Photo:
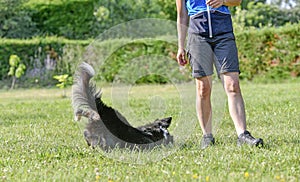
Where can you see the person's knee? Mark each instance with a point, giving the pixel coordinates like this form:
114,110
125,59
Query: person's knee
203,87
233,87
231,84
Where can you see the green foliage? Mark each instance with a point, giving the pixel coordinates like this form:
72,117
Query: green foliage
64,80
270,53
15,21
167,9
35,51
14,60
70,19
288,4
20,70
101,14
143,61
16,70
82,19
88,18
258,15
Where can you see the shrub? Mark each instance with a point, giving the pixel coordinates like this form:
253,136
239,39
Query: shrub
16,70
64,81
272,53
41,56
15,21
70,19
82,19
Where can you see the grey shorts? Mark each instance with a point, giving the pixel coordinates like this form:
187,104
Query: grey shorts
203,52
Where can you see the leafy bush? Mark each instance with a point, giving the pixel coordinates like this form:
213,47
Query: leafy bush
15,21
64,81
16,70
143,61
83,19
70,19
258,15
272,53
41,56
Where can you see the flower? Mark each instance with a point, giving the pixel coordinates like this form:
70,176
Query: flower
246,174
207,178
195,176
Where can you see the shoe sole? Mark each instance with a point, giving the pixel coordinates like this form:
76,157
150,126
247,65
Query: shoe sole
258,143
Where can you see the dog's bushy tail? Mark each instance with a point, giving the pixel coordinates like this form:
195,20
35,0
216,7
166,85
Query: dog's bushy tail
83,91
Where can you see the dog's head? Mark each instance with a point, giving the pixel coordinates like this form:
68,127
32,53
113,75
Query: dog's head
158,130
91,140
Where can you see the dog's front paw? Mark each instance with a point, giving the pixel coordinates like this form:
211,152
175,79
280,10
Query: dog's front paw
90,114
78,114
94,116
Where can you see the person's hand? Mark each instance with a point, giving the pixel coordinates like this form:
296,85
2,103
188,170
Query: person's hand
181,58
215,3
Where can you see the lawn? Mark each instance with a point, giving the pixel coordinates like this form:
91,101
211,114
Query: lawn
41,142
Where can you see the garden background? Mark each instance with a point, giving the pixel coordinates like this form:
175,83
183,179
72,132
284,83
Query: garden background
50,36
42,41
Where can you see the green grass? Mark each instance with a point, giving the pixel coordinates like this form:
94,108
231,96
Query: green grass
41,142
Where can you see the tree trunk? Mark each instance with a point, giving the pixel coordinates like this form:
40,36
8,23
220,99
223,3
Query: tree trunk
13,83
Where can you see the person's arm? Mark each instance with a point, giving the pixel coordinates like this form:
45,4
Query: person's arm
182,26
218,3
232,2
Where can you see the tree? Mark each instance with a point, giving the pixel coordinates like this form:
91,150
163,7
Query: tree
16,70
287,4
15,22
64,81
245,3
261,14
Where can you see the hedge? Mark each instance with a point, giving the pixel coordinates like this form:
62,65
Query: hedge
33,54
82,19
271,53
68,18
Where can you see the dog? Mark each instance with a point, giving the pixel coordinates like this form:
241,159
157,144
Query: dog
106,127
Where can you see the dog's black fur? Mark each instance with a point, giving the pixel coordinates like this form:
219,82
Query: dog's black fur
107,128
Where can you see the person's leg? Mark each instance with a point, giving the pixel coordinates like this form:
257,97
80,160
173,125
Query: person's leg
237,109
203,103
203,108
231,85
201,58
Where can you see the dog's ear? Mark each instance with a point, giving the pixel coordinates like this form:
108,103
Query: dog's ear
87,137
165,122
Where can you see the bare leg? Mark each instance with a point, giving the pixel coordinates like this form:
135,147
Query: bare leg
235,100
203,103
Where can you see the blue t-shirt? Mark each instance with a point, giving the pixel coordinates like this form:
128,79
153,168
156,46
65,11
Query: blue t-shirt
219,22
198,6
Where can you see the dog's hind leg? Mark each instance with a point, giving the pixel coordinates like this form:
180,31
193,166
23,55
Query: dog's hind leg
90,114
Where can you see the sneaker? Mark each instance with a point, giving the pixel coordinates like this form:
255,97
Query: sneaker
207,140
247,138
